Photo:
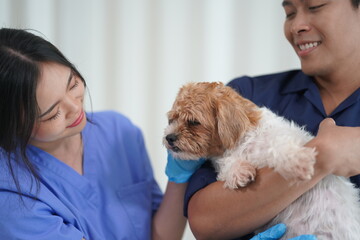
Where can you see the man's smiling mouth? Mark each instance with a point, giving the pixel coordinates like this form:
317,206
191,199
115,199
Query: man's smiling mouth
307,46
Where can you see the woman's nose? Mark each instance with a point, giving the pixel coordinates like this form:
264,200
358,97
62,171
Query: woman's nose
73,104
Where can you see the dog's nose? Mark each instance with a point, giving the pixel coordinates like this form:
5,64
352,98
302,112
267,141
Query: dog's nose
171,138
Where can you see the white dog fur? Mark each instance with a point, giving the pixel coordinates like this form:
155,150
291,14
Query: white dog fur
330,210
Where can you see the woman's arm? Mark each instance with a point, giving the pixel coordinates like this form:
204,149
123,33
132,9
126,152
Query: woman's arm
218,213
169,221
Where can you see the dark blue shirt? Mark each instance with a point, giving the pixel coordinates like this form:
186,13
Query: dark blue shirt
292,95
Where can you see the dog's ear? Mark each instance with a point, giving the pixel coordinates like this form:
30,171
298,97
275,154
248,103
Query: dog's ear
235,115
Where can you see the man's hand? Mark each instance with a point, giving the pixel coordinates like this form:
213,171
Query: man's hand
277,231
338,149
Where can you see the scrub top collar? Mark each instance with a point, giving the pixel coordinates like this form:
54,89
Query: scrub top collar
52,168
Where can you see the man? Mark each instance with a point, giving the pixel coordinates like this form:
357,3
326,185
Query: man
325,35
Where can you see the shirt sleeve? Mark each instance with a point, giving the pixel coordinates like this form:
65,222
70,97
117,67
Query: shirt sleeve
27,218
243,85
156,193
133,150
204,176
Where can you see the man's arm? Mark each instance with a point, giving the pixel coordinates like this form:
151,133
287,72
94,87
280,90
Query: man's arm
218,213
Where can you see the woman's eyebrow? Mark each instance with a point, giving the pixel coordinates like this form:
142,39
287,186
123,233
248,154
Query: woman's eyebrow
70,77
57,102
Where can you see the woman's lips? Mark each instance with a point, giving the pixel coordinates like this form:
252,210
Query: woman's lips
78,120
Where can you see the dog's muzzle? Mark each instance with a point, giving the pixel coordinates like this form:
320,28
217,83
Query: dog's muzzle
171,139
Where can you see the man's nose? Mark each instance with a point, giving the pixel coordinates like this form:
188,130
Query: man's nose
300,24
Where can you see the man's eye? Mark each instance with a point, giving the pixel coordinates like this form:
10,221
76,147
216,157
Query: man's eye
316,7
288,15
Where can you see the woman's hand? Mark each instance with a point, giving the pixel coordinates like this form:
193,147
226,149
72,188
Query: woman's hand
180,171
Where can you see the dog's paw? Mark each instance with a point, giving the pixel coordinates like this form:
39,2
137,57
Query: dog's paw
240,175
301,165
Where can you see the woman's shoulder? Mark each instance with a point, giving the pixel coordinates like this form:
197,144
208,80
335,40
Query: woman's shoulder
107,115
10,168
110,118
110,124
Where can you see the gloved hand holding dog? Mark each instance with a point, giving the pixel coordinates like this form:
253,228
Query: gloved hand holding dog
277,231
180,171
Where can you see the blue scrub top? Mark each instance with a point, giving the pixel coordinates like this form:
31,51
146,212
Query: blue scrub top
293,95
115,198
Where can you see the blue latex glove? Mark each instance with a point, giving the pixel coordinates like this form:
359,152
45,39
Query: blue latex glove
180,171
277,231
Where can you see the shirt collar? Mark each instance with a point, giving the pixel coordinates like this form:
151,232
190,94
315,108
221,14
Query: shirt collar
299,83
304,83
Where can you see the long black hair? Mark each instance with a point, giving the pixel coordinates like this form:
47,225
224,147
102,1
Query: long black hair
21,54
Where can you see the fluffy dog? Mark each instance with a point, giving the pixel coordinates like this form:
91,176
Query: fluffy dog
210,120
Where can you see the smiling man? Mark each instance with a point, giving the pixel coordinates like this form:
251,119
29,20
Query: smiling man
325,35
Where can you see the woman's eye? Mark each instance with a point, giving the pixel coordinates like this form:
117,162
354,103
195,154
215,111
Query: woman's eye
74,85
55,116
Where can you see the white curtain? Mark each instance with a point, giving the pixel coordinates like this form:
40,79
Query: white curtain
135,54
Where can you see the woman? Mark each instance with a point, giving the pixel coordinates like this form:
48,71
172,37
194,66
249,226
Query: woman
67,174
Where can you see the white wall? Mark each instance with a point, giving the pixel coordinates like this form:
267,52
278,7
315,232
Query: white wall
135,54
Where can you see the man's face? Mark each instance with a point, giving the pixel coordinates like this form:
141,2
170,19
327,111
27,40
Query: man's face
323,33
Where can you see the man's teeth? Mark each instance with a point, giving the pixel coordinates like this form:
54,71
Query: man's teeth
308,45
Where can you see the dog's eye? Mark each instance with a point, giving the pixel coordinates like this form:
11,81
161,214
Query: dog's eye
170,121
193,123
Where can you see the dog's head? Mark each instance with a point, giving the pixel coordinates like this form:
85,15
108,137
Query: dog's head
206,119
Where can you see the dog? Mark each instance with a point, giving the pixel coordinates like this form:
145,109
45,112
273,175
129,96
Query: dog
213,121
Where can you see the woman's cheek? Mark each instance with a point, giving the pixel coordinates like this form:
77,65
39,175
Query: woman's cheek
40,133
46,132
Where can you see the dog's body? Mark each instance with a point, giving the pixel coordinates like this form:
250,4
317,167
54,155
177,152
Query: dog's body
213,121
330,210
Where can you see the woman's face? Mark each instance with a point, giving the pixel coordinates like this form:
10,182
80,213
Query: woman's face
325,34
60,95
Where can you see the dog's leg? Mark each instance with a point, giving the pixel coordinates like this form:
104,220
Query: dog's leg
297,164
238,174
